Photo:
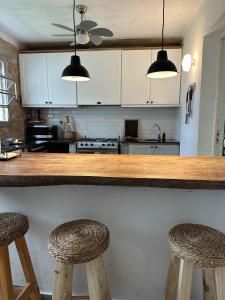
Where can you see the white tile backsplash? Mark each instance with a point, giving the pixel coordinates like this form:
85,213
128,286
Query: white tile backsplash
108,121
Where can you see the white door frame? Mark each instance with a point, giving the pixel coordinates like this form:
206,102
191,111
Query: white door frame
220,102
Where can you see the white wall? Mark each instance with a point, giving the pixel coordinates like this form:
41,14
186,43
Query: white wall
138,219
194,134
109,121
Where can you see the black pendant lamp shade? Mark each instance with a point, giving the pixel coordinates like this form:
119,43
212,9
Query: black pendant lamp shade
162,67
75,71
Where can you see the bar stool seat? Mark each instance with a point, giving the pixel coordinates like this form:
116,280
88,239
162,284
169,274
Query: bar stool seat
12,227
198,244
76,242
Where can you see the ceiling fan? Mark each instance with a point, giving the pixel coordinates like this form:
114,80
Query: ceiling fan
85,31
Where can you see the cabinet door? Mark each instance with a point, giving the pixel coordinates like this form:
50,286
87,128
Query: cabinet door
167,150
62,93
167,91
34,79
140,149
135,84
104,88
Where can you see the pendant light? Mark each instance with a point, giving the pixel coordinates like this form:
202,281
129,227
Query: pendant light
75,71
162,67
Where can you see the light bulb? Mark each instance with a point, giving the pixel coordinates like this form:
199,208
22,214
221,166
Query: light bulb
187,62
82,38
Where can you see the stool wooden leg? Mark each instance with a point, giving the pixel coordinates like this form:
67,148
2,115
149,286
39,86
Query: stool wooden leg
97,280
27,266
63,276
172,278
5,274
208,278
185,280
220,283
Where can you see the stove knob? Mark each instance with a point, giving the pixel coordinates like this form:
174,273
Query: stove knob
108,144
82,144
113,144
103,144
86,144
92,144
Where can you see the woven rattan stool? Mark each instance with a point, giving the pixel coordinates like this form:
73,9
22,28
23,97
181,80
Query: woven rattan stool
202,247
13,227
76,242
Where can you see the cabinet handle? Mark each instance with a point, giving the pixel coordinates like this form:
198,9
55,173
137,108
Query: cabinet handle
99,102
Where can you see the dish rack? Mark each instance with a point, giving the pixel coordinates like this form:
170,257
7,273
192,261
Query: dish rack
6,155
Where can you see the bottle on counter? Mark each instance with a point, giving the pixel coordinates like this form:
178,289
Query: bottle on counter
163,137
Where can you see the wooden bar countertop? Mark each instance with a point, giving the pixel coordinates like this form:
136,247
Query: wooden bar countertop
119,170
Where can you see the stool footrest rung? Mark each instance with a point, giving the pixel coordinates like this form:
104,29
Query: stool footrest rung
25,292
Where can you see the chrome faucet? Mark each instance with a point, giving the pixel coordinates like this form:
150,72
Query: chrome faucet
160,133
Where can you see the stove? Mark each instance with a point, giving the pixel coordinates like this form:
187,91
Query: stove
99,145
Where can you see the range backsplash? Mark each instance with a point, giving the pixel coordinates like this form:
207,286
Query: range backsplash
108,121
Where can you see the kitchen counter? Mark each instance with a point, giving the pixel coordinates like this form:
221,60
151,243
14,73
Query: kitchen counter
168,142
43,169
106,188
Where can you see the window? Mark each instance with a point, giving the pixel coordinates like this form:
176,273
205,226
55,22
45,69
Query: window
4,111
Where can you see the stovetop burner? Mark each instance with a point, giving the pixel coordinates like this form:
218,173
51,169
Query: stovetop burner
98,143
98,140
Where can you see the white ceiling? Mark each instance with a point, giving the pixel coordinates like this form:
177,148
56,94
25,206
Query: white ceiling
28,21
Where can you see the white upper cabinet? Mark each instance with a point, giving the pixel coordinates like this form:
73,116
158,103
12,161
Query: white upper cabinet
42,86
34,79
41,80
61,92
138,90
167,91
104,68
135,84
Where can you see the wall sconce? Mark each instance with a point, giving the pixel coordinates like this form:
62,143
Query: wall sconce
188,62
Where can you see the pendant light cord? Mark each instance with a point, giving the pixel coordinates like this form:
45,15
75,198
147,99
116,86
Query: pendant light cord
163,24
74,27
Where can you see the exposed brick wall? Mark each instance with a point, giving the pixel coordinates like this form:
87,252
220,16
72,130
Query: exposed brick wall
15,127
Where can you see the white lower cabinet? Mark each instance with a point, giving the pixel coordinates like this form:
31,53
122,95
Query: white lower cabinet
148,149
141,149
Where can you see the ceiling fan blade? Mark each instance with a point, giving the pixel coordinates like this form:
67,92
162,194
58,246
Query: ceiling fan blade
87,25
63,34
96,40
102,32
62,26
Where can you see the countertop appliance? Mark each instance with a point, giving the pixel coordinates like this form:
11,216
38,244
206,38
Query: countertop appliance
38,136
98,146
